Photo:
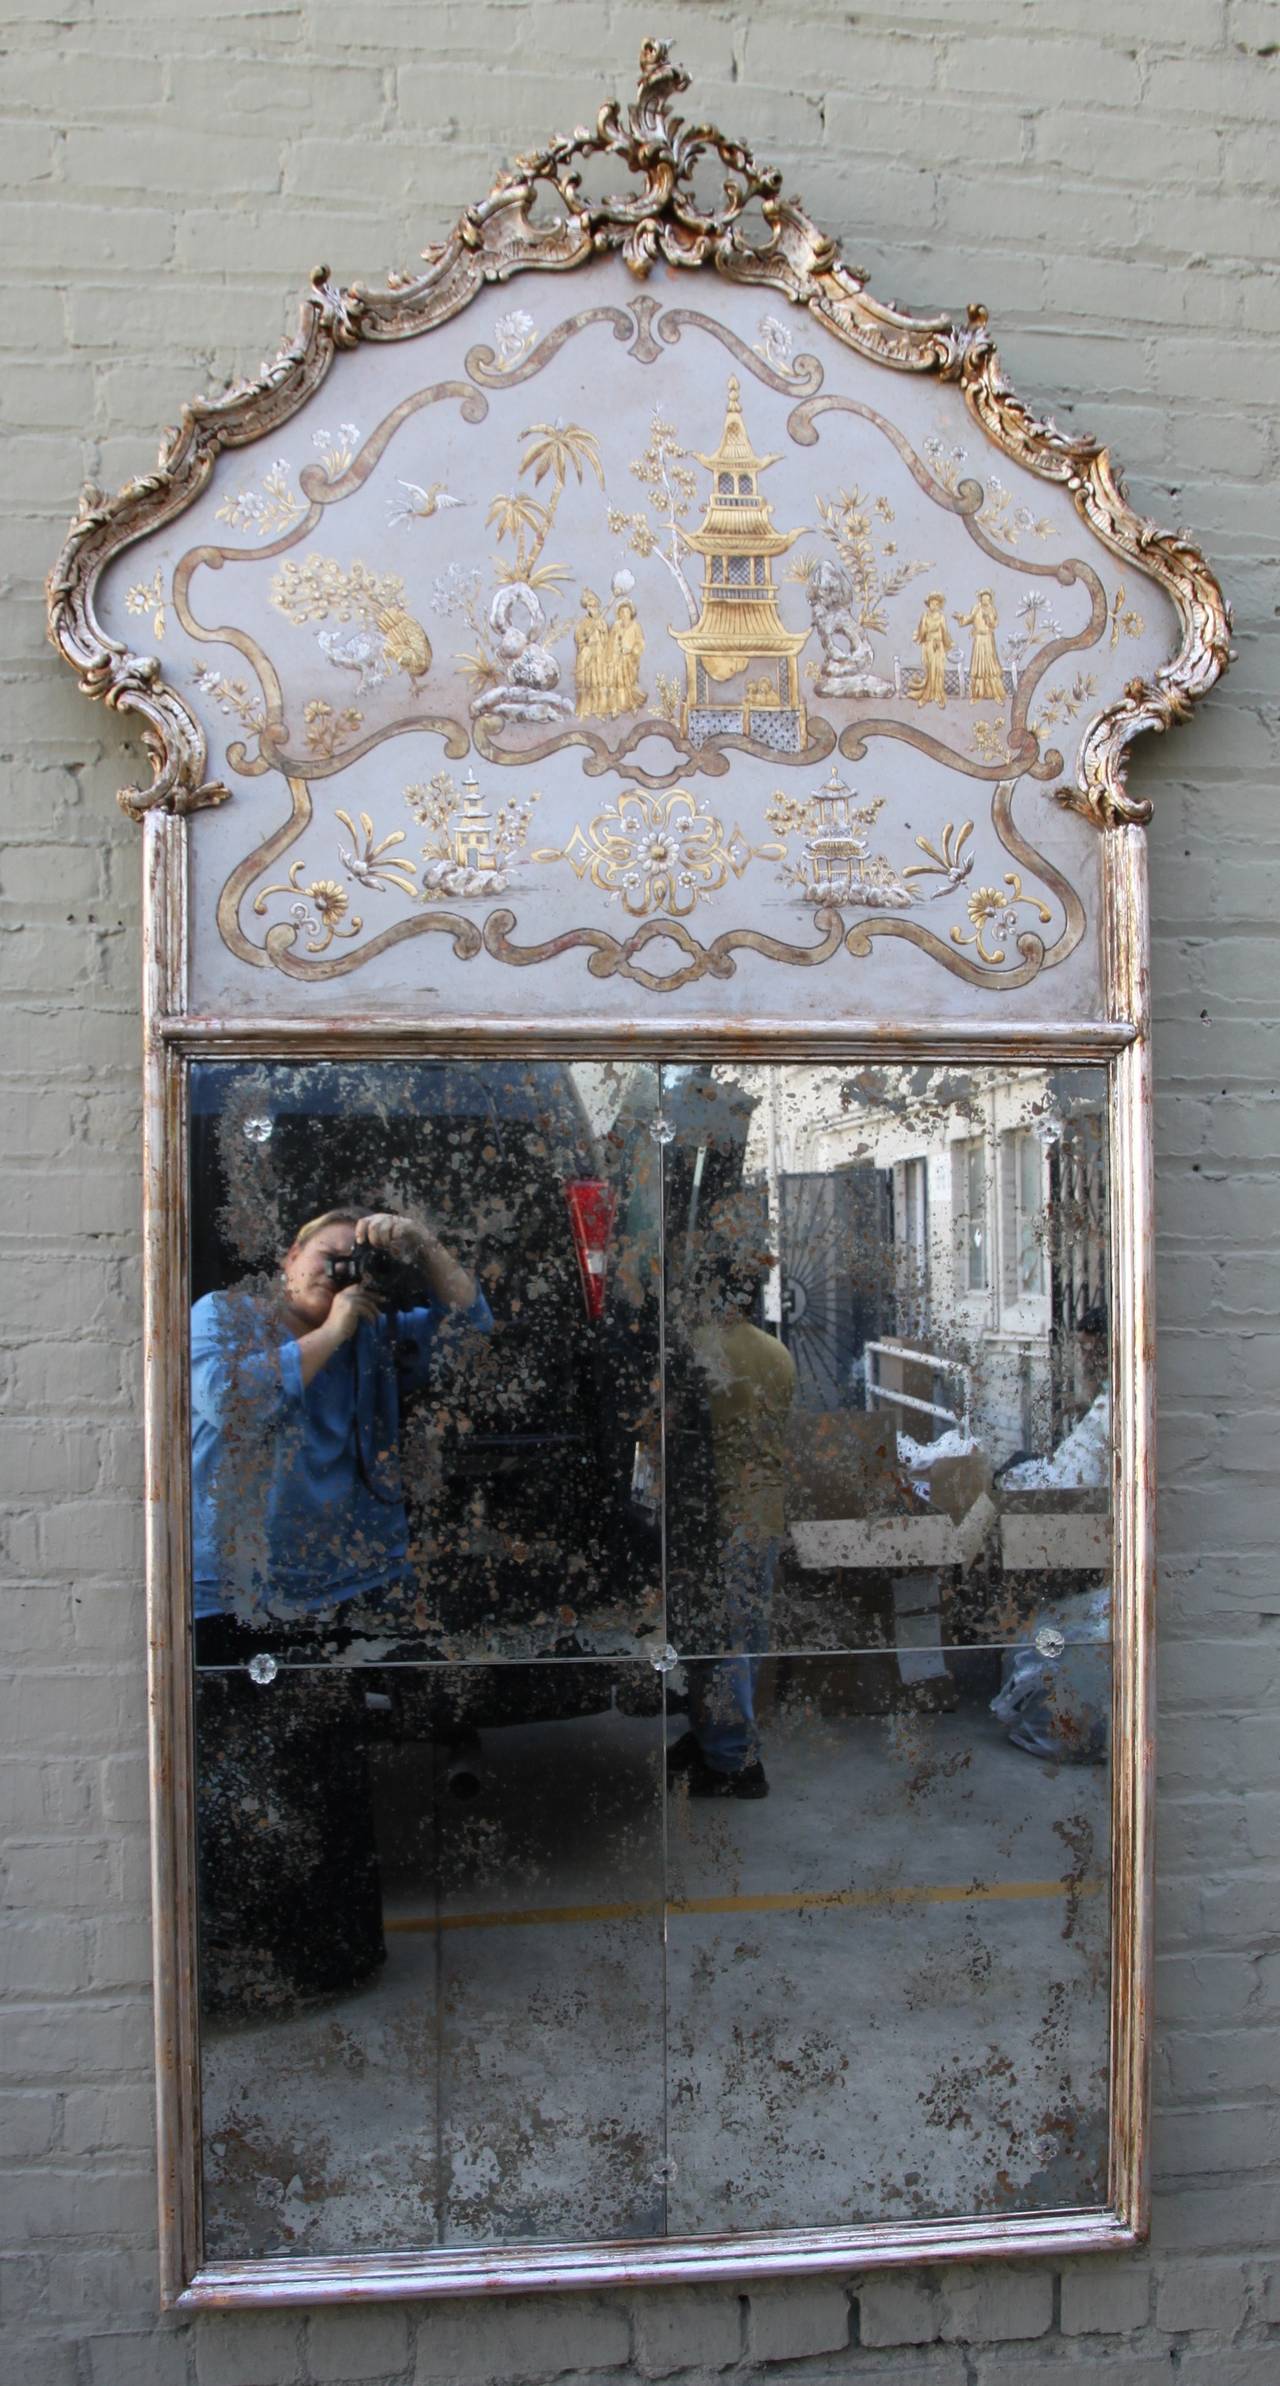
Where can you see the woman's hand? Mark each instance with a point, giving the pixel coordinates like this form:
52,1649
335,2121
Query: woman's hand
355,1305
404,1239
383,1230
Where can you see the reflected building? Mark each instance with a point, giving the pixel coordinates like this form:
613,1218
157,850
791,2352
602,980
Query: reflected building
942,1244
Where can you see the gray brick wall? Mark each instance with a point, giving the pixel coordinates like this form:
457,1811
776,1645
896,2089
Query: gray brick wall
1103,174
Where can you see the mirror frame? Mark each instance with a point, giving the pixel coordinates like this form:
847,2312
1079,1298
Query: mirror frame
1121,1043
660,223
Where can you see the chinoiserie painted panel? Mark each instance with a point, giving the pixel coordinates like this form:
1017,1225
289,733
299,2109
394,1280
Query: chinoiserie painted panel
706,641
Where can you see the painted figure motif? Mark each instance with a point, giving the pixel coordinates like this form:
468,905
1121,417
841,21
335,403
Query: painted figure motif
626,647
986,679
591,639
935,642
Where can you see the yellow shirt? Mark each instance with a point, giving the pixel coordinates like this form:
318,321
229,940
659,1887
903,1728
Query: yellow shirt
752,1382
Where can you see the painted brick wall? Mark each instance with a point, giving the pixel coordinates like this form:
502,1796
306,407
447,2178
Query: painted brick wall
1102,173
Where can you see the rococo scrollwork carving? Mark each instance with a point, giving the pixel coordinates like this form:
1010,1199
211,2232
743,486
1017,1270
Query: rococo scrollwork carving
659,219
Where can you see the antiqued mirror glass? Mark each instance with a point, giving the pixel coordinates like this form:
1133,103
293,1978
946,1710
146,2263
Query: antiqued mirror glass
652,1561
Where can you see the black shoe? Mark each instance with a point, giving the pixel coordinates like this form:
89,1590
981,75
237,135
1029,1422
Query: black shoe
683,1754
686,1757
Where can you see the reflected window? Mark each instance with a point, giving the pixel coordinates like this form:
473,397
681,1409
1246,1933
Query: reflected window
969,1205
1022,1160
911,1229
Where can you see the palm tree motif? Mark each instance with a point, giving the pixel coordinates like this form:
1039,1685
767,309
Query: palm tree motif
520,518
555,450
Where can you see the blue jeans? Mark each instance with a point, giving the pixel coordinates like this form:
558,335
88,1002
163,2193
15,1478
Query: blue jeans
722,1689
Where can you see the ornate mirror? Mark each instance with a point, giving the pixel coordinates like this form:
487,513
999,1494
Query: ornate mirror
648,1261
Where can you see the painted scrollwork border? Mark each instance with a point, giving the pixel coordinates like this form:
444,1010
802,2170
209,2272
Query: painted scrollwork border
659,219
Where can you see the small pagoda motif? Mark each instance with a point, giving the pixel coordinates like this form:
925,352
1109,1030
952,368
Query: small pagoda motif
472,837
470,849
738,636
837,866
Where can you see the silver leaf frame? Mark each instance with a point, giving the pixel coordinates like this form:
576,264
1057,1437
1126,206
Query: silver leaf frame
492,242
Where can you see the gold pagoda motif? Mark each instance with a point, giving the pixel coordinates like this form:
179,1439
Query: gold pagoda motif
738,635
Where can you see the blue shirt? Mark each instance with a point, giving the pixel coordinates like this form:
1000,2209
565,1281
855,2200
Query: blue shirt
296,1494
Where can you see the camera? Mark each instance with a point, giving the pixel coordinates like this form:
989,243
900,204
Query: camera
362,1264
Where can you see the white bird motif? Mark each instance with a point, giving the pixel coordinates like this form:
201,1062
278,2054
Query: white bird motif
359,650
418,504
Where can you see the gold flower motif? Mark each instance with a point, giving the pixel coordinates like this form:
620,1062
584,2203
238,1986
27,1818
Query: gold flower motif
329,899
326,729
318,908
994,916
147,596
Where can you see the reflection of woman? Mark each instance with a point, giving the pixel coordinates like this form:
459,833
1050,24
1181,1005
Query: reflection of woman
296,1495
626,646
299,1526
986,679
935,642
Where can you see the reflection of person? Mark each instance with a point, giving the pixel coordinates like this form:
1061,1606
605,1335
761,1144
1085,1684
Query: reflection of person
986,679
299,1525
750,1380
935,642
296,1494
